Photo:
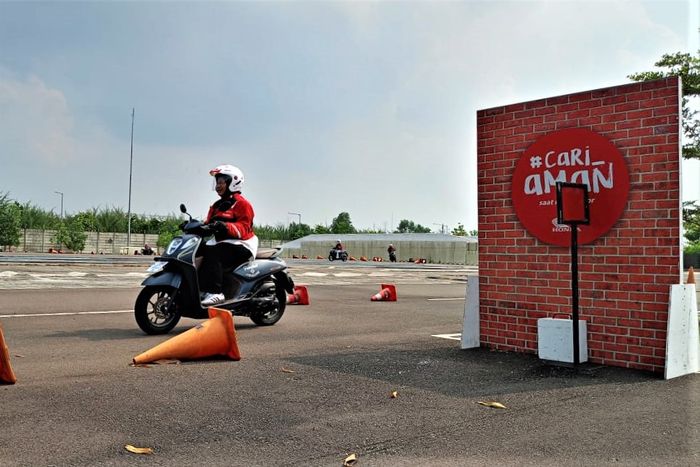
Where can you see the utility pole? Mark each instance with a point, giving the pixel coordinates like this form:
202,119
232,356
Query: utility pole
60,193
131,163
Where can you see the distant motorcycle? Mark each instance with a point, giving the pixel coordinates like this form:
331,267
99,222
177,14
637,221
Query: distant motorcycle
337,255
392,256
257,289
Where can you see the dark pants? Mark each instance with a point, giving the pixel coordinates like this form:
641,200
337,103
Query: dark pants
217,259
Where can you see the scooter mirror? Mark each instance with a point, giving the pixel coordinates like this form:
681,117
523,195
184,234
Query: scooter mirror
183,209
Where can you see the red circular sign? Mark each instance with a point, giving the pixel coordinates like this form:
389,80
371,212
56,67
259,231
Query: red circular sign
574,155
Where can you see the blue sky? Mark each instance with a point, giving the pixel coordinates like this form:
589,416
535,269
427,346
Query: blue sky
363,107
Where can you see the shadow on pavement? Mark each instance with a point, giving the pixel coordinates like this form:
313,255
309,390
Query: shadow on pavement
468,373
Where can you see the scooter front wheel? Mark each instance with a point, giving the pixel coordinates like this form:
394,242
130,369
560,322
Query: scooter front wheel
155,310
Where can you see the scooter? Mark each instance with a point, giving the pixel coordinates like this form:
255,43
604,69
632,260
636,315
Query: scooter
392,256
334,254
257,289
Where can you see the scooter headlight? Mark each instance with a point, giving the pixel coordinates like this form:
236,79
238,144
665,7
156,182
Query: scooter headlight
174,245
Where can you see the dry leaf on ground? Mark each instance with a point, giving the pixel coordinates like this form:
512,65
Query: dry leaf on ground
136,450
493,404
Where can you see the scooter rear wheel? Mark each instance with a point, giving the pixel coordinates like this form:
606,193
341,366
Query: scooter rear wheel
155,311
270,317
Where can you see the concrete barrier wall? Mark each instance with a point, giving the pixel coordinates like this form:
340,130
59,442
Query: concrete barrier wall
434,252
111,243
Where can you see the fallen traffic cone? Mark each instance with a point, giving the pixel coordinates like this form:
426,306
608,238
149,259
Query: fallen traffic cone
387,294
299,297
352,258
215,336
319,257
7,376
363,258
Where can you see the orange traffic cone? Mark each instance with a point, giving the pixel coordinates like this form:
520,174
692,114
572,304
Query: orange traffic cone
7,376
215,336
352,258
387,294
691,276
299,297
363,258
319,257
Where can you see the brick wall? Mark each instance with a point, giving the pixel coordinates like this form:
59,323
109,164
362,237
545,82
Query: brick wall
625,275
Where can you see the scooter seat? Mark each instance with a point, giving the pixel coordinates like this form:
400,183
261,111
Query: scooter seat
267,253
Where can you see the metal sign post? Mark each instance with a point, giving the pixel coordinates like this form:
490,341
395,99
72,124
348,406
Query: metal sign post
573,210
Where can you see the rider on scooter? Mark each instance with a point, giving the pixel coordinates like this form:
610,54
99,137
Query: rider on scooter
234,242
338,249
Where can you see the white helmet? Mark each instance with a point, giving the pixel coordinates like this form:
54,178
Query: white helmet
234,174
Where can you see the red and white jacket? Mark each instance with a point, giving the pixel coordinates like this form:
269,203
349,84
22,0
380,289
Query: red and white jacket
237,214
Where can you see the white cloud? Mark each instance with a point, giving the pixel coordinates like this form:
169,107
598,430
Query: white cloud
39,126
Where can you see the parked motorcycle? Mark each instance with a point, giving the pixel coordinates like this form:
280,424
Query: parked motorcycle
340,255
257,289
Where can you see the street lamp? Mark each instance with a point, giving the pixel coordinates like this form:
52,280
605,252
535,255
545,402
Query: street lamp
131,163
295,214
60,193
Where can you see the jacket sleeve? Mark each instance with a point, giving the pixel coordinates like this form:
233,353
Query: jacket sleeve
241,225
210,214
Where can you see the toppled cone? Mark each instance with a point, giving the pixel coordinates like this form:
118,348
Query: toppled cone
7,376
387,294
299,297
215,336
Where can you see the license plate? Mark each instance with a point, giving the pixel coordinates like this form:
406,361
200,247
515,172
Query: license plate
156,267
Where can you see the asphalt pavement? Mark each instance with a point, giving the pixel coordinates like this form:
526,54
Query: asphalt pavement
318,386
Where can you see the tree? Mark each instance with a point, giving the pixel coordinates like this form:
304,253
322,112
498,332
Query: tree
298,230
459,231
10,221
406,226
33,217
71,234
321,229
691,222
687,67
342,224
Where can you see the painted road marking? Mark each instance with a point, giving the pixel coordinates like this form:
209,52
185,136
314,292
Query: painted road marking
68,313
454,337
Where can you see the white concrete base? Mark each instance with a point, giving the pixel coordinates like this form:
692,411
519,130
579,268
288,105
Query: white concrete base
682,339
470,326
555,340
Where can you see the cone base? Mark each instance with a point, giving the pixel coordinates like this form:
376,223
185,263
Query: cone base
7,376
212,338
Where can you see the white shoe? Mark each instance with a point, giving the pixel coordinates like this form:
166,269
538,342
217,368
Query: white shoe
213,299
